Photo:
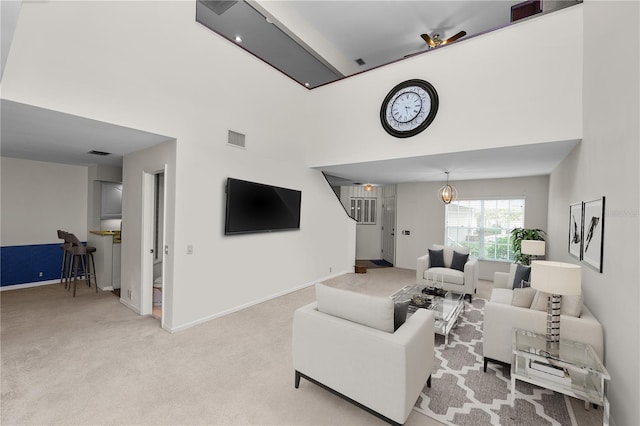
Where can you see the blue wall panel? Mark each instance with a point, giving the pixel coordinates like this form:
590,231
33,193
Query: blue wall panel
23,264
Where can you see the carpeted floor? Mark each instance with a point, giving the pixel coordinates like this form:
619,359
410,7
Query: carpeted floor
462,394
90,360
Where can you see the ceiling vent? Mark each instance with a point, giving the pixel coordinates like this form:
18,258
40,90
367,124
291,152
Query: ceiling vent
360,61
219,7
236,139
100,153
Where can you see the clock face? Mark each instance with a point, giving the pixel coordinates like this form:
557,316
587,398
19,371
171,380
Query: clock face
409,108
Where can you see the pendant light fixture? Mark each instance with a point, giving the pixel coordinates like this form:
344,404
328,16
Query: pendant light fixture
448,193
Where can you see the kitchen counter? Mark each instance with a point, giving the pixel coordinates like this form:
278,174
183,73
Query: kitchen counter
116,235
107,257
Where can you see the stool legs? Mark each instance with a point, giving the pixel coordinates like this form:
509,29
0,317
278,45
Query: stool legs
88,270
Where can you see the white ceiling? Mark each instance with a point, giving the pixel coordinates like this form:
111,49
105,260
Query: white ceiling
376,31
39,134
517,161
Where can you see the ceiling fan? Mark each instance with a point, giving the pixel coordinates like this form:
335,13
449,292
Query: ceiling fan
436,41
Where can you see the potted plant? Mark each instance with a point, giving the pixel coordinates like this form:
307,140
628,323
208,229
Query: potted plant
519,234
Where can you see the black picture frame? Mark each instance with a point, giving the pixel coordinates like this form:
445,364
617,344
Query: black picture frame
576,229
593,233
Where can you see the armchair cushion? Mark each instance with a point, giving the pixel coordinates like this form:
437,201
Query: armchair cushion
523,297
372,311
459,260
436,258
445,275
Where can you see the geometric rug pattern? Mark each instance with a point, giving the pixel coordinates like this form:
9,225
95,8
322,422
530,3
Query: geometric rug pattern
461,393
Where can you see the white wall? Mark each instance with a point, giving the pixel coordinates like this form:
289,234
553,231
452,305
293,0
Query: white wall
514,86
39,198
421,212
606,164
169,75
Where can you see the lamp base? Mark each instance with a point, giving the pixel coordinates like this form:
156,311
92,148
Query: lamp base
553,319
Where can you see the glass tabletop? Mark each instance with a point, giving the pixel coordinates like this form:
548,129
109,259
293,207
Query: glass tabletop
443,306
568,353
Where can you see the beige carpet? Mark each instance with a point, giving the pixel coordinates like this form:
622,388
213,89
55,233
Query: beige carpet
90,360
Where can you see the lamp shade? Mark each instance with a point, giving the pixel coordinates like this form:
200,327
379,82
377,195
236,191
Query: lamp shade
532,247
556,277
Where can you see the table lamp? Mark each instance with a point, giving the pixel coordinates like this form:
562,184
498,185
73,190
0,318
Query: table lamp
532,248
558,279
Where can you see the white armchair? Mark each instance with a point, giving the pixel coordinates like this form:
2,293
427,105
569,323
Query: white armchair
451,279
345,343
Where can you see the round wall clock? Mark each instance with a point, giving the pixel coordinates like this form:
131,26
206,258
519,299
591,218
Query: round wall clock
409,108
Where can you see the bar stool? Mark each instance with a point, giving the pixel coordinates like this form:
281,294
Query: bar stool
80,253
64,268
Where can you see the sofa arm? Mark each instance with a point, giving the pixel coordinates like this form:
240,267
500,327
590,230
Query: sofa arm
471,274
380,370
500,280
421,267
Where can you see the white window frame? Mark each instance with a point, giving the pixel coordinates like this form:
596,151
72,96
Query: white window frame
363,210
481,230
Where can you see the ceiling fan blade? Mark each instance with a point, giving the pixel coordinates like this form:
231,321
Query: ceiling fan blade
455,37
428,39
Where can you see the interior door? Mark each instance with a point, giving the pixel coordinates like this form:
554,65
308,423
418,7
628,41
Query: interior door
389,223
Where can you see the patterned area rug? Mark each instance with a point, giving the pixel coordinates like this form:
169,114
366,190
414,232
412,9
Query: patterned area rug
462,394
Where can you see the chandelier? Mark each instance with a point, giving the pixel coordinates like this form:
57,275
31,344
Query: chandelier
448,193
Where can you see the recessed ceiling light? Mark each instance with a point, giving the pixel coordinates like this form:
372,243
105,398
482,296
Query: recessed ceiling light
238,39
307,84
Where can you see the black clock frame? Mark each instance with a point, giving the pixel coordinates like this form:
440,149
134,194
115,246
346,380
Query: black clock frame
427,87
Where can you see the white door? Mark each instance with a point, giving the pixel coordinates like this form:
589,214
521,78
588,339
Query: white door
389,223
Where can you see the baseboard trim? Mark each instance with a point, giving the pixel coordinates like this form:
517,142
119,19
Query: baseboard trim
27,285
130,306
249,304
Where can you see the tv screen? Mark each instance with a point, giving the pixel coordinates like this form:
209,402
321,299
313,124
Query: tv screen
255,207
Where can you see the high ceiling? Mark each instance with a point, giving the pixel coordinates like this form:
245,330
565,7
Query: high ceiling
333,34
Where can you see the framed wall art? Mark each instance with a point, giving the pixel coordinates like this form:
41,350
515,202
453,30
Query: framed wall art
593,233
575,230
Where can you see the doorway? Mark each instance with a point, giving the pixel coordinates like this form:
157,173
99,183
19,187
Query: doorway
154,245
389,223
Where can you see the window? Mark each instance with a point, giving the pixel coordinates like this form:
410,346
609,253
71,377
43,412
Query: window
363,210
484,226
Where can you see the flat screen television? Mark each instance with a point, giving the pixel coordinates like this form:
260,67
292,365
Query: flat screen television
256,207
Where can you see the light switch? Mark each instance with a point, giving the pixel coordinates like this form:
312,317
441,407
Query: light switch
190,249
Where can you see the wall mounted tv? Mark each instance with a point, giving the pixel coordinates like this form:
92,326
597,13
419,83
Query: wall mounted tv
256,207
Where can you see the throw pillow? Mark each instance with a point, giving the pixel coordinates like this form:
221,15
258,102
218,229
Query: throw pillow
436,258
523,297
540,301
459,260
400,314
571,305
522,274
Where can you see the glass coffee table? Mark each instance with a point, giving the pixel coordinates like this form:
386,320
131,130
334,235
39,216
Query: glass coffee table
447,308
568,367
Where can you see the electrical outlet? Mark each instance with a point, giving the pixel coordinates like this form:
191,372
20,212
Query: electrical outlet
190,249
330,269
41,274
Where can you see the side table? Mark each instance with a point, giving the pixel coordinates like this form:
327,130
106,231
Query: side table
571,368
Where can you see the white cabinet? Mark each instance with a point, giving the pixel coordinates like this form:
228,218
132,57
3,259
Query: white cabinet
111,204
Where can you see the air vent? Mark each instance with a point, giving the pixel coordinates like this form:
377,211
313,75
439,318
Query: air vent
100,153
360,61
219,7
236,139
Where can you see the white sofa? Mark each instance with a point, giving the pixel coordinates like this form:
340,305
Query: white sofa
452,279
501,317
345,343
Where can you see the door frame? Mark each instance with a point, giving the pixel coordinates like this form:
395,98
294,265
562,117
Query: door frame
147,258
